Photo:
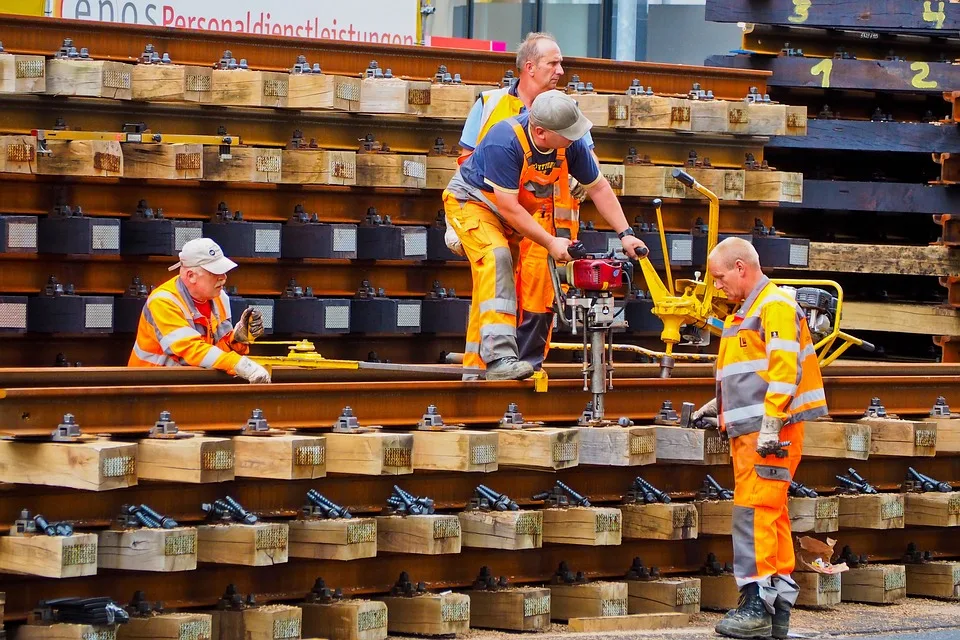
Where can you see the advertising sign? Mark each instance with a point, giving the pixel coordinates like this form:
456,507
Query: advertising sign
382,21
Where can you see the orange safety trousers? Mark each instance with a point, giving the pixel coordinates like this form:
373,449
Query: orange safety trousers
535,293
501,258
762,546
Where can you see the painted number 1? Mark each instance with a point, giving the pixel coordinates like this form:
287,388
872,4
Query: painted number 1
801,11
824,67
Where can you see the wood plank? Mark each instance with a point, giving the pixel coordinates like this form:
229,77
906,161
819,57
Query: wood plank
63,631
827,439
49,556
427,534
172,626
338,539
871,511
148,549
675,521
635,622
588,600
877,197
513,609
281,457
875,584
667,595
99,465
345,620
900,318
885,137
429,614
933,260
589,526
858,14
618,446
931,509
466,451
860,75
193,460
934,580
254,545
272,621
819,515
817,589
502,529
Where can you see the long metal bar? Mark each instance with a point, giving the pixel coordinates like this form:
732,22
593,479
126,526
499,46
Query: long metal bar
125,42
217,407
112,376
932,19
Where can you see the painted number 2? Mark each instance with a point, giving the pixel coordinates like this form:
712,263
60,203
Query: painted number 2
801,11
920,79
824,67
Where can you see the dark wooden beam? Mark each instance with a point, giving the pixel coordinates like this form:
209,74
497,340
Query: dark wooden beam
841,257
858,135
823,43
881,197
858,75
895,15
900,318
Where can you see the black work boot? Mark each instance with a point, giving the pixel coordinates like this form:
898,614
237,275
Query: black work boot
750,619
781,618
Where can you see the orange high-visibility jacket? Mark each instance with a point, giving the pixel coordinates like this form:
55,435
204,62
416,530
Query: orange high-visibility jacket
767,364
168,336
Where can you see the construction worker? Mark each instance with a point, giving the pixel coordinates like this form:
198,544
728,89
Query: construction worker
186,320
539,66
768,385
491,203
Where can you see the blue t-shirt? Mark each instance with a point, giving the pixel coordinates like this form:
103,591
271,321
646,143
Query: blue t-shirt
498,160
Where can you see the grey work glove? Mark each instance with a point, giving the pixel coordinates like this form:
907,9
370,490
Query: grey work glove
251,371
249,327
576,190
769,439
707,413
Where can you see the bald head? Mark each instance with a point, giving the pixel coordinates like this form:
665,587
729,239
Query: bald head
728,251
735,267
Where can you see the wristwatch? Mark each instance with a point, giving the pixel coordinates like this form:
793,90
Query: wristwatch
626,232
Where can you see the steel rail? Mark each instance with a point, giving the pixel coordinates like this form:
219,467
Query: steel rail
223,407
125,42
114,376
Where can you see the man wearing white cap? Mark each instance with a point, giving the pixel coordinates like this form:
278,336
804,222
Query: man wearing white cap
186,320
491,202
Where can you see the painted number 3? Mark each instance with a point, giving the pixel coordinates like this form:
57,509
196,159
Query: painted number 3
801,11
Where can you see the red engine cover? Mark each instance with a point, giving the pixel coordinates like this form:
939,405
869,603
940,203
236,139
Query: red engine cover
596,275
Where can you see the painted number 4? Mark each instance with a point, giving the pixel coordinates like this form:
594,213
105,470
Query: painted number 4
936,16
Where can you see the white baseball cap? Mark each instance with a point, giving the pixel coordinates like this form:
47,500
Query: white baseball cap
204,252
556,111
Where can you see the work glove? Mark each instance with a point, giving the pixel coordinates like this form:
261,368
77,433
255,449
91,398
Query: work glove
769,439
249,327
452,240
707,414
576,190
251,371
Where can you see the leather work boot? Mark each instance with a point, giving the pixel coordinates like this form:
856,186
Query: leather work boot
750,619
509,368
781,618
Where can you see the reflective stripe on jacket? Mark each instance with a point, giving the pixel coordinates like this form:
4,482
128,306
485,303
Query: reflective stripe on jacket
767,364
169,335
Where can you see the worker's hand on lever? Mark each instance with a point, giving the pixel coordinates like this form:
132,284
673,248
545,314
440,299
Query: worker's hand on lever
558,249
707,414
634,247
251,371
249,326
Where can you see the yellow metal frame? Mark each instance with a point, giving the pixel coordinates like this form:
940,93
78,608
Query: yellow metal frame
302,353
699,301
144,137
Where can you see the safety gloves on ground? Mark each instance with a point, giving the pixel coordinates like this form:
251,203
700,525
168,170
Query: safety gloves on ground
249,327
452,240
576,190
251,371
769,439
707,414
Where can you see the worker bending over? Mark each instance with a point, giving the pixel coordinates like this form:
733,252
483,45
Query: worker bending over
491,203
768,385
539,68
186,320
